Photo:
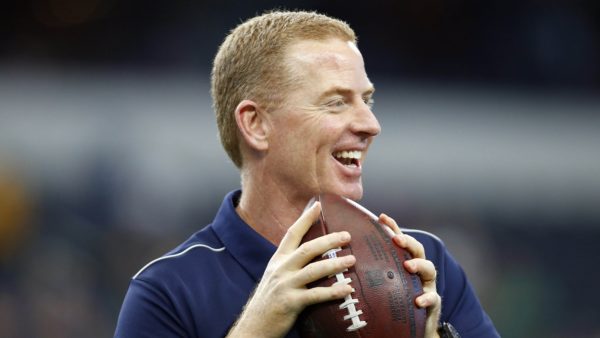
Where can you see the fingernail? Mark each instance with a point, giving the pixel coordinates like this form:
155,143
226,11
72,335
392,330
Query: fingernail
310,204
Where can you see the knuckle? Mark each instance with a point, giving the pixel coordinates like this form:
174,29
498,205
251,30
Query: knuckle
311,272
287,302
336,293
419,248
433,270
334,240
291,233
269,272
272,269
313,296
433,297
427,269
277,281
342,263
305,250
429,287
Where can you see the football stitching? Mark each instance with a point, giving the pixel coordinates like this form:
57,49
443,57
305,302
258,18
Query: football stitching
349,302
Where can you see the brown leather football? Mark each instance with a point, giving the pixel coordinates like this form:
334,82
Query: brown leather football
383,304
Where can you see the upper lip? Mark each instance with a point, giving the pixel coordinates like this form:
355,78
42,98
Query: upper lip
349,148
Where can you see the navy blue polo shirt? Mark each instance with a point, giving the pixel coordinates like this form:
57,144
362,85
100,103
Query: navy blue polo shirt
199,288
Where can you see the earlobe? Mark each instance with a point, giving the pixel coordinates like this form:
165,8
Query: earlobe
253,125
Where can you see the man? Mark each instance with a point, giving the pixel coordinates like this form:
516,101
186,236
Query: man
292,100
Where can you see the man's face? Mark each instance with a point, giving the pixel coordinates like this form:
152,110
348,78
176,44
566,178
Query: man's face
320,135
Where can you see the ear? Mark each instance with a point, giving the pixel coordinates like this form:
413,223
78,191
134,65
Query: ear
253,124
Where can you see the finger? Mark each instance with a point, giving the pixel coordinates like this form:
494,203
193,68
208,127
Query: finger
390,222
429,299
408,242
317,247
323,268
424,268
322,294
296,231
404,241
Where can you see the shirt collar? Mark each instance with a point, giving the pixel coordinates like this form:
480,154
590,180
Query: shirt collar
249,248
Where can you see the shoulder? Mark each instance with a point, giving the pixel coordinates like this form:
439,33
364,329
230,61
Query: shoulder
171,293
201,248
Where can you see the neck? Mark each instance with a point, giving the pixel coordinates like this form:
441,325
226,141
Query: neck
267,208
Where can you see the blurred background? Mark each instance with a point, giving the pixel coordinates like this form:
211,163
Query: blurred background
109,154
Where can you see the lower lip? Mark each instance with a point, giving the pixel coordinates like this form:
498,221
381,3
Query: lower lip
355,171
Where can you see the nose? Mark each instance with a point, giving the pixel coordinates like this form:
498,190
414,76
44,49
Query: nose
365,123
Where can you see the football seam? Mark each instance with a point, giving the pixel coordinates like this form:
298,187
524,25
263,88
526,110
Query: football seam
349,303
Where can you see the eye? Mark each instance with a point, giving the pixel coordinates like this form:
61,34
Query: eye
368,101
336,103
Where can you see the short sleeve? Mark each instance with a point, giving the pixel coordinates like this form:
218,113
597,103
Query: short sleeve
147,312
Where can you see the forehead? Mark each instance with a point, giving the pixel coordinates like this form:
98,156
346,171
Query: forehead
334,53
331,62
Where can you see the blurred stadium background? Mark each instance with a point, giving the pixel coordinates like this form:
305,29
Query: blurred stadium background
109,153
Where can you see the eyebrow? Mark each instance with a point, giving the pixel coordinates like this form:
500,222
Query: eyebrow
345,91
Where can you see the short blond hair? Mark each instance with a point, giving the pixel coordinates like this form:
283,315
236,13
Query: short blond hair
250,64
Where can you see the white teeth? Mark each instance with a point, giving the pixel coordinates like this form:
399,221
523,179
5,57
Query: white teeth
354,154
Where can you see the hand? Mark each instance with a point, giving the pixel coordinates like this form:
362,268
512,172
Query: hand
282,294
425,269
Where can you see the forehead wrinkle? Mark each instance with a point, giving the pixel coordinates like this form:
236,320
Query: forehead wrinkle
317,63
308,60
333,60
305,57
310,63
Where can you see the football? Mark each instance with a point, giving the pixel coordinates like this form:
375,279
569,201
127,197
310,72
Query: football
383,303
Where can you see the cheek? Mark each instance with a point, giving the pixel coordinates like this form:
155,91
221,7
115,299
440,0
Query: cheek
309,136
329,127
330,131
329,135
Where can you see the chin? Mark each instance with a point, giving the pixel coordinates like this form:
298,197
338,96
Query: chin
351,191
355,195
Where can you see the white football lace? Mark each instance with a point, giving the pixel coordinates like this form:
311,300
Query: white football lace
349,302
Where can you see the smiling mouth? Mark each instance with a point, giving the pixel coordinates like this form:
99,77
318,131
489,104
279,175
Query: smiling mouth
349,158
